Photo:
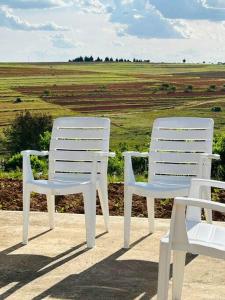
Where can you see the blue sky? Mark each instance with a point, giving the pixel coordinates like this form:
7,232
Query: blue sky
159,30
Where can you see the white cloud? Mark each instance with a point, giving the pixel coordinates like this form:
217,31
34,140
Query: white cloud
9,20
60,41
140,18
36,4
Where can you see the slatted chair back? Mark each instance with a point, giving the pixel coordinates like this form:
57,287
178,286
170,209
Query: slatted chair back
176,145
73,141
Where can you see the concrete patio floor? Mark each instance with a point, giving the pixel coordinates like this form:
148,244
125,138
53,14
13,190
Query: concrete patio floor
57,265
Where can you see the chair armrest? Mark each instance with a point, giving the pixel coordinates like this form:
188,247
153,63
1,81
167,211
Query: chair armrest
196,183
210,156
27,170
104,154
135,154
128,168
34,152
200,203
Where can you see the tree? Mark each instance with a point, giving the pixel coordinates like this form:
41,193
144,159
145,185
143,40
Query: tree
25,131
106,59
184,61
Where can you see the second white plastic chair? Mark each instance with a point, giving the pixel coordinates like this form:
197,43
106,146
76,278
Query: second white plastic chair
180,149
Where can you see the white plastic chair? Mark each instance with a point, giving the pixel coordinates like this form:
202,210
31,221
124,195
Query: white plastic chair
78,160
189,234
180,149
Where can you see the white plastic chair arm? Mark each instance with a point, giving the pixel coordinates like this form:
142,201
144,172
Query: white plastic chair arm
104,154
34,152
27,170
135,154
210,156
196,183
200,203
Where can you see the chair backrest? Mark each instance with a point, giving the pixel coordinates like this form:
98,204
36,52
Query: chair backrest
176,144
73,141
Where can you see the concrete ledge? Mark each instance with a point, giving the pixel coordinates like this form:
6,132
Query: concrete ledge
57,265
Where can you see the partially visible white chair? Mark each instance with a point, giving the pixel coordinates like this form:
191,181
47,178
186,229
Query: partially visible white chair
189,234
180,149
78,160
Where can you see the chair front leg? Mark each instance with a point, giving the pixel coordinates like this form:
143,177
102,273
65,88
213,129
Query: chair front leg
90,215
127,216
178,273
164,271
51,210
26,212
151,214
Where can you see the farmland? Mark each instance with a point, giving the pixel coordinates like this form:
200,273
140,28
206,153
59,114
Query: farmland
131,94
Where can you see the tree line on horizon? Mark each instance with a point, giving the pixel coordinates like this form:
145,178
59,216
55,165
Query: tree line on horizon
106,59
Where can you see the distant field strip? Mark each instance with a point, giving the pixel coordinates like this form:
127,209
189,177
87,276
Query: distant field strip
131,94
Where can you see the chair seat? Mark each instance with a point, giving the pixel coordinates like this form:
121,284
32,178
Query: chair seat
161,188
57,186
206,237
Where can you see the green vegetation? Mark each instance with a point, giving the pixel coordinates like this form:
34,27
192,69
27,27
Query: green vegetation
132,95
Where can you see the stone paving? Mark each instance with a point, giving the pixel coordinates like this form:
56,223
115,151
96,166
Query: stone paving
57,265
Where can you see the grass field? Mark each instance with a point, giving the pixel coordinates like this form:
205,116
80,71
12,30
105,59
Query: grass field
131,94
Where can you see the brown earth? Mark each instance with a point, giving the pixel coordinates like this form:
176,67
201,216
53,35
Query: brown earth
11,199
38,71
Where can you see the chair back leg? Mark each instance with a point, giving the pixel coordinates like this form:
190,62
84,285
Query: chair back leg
151,214
103,196
51,210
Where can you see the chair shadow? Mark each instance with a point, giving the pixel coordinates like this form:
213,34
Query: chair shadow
24,268
111,278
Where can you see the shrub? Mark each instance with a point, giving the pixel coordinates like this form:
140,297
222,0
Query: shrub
212,88
15,162
44,140
188,88
216,109
18,100
218,166
25,131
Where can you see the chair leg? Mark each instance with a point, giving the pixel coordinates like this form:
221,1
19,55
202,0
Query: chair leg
164,271
206,194
26,211
103,196
151,214
90,216
178,273
127,216
51,210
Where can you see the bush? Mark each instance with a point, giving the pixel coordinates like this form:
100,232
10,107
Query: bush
25,131
212,88
18,100
188,88
216,109
15,162
218,166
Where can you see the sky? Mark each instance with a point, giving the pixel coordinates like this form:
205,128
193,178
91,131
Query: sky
158,30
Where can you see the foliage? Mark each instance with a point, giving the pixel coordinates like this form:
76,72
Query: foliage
15,163
212,88
216,109
218,166
25,131
188,88
44,140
